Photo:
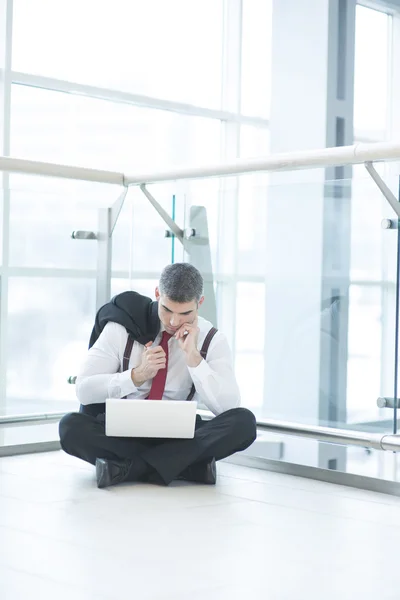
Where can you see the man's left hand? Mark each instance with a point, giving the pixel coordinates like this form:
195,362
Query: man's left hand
187,337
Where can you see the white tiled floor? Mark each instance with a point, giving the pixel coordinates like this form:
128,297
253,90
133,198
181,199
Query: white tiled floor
256,535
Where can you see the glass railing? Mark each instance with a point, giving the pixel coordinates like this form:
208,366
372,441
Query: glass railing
303,283
312,288
49,286
305,288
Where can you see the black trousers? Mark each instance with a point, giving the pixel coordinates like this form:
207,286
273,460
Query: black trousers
83,436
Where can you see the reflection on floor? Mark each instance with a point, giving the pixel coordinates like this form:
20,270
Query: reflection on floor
256,535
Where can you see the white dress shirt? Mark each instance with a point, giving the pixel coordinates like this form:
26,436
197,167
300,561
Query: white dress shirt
100,376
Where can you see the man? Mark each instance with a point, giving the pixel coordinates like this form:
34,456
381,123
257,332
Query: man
164,362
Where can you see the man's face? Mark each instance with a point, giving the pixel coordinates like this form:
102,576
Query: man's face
174,314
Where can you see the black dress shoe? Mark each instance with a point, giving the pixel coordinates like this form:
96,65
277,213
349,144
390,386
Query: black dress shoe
204,472
111,472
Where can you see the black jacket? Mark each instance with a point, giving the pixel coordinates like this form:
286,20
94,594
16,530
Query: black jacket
137,313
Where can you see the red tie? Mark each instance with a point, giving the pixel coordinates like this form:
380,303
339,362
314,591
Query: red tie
158,385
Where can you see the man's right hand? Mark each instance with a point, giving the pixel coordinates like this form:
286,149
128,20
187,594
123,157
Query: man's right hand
153,360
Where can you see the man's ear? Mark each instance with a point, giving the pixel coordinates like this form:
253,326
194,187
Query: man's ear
157,293
201,301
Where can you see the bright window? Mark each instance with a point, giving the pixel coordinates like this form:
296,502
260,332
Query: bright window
372,68
171,50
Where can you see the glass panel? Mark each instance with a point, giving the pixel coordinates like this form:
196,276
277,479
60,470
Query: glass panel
252,204
39,222
355,460
249,343
1,223
252,218
249,369
29,434
205,193
365,350
168,49
307,303
58,192
49,324
78,130
371,71
335,360
122,240
256,57
254,141
248,296
139,242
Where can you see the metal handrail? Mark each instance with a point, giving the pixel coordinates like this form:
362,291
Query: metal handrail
31,418
378,441
306,159
289,161
35,167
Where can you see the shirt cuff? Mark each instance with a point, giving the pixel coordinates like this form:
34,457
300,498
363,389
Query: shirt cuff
201,372
123,385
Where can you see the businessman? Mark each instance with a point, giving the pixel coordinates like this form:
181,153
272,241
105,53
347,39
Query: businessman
144,349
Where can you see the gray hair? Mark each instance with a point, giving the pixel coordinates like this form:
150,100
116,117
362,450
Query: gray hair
181,282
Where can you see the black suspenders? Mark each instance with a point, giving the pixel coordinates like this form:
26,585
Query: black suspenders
203,352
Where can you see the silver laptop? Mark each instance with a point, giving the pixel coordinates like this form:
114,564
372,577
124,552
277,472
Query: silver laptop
150,418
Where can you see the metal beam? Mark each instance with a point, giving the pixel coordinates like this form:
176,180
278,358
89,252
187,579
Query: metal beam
176,230
107,220
112,95
116,210
390,197
387,6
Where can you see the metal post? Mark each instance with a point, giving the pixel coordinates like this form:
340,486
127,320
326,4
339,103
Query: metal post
5,119
227,253
197,246
396,331
390,224
107,219
336,226
177,231
104,258
386,191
